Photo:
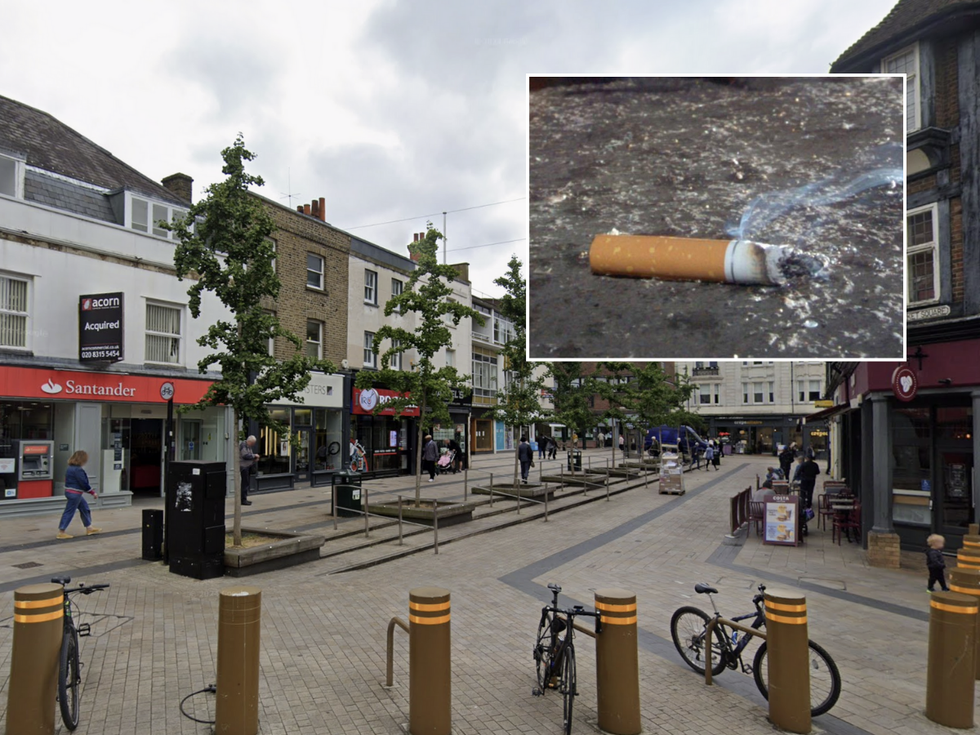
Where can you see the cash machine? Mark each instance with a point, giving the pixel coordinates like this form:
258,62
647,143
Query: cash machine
35,468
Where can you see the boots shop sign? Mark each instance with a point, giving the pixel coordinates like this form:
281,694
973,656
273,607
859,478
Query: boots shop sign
100,327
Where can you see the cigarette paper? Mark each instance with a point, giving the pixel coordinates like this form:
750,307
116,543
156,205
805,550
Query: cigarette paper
686,259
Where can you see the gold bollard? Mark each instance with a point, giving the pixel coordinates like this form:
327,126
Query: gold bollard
429,687
968,558
972,539
617,663
239,620
38,624
788,660
949,681
967,582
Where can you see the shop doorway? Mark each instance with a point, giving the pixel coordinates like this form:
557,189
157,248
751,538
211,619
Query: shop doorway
146,455
482,435
303,468
190,439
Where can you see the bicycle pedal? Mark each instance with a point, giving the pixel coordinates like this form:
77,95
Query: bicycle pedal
84,630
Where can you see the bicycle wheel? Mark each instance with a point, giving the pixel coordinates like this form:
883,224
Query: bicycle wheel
68,678
687,627
825,680
568,687
544,652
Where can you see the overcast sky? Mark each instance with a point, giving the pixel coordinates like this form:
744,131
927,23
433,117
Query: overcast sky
389,110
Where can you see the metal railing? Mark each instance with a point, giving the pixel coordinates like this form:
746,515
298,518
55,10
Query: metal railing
466,482
709,636
401,521
390,670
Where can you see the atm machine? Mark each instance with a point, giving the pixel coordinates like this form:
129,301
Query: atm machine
35,468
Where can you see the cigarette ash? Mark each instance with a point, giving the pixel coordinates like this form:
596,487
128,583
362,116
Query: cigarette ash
794,267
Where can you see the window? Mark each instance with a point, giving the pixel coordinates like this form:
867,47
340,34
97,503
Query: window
314,338
814,394
396,357
145,216
450,358
922,252
370,287
396,287
370,358
272,340
13,312
704,394
745,392
484,376
757,393
906,62
163,334
772,394
314,271
11,176
800,393
717,394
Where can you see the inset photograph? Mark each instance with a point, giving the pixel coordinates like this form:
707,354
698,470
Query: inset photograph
678,217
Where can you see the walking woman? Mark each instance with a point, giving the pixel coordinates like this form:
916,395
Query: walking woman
76,485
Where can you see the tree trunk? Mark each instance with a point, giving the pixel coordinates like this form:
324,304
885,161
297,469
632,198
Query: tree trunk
238,483
418,458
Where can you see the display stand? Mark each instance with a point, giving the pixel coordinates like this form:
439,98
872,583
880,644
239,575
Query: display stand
782,521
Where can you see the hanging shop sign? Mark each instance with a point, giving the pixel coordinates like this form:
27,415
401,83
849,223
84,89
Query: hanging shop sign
905,384
364,402
100,327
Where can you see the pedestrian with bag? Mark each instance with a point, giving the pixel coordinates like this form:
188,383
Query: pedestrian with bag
709,457
76,487
247,460
525,455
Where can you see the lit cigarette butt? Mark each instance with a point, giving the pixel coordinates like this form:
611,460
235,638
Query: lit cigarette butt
682,259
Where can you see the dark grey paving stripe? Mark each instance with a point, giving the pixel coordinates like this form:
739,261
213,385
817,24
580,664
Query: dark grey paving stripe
724,558
75,574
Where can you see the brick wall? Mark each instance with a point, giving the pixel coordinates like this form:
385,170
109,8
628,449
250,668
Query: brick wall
296,236
947,102
956,247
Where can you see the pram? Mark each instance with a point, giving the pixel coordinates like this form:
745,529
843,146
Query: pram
445,463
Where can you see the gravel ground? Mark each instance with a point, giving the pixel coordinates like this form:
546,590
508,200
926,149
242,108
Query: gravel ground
817,162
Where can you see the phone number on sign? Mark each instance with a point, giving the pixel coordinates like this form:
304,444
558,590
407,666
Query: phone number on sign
94,354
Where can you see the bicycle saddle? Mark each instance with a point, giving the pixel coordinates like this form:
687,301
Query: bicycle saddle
61,580
702,589
554,587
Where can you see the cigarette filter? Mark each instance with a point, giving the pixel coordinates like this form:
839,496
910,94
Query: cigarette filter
684,259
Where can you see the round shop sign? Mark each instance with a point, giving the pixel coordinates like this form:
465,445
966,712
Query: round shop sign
368,399
167,391
904,383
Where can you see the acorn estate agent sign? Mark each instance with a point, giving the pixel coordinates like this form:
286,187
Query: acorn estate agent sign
100,327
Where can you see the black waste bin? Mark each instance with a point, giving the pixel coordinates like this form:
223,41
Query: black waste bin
575,457
346,493
195,515
153,535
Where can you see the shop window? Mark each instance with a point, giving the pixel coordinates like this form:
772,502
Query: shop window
370,287
314,338
922,254
911,466
906,62
370,357
314,271
163,334
328,440
275,449
14,311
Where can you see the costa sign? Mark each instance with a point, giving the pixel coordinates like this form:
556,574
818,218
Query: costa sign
80,386
905,384
364,402
100,327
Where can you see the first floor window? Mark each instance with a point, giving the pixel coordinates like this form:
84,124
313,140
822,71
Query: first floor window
704,393
814,394
314,338
717,393
314,271
450,358
370,358
163,333
745,392
772,395
370,287
922,253
484,374
396,357
13,312
757,395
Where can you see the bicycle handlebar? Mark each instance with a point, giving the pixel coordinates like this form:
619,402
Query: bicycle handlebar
86,589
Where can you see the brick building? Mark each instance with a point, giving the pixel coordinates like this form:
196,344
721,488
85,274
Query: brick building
908,432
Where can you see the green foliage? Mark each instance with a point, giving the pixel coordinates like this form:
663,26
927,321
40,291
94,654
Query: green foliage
224,246
659,402
572,395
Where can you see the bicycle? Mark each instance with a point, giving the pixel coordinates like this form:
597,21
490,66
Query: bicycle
689,626
69,668
554,652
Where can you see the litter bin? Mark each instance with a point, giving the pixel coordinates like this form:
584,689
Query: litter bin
347,493
575,458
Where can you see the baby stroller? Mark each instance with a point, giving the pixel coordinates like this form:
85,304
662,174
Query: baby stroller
445,463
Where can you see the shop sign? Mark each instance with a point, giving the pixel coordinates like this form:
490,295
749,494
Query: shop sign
462,398
933,312
100,327
904,383
364,402
323,390
81,386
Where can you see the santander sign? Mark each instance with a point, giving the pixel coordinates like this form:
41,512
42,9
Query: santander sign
93,386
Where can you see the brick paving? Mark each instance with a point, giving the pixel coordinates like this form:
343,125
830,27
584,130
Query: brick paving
323,634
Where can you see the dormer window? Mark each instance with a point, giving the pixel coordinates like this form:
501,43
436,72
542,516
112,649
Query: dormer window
906,62
12,176
145,215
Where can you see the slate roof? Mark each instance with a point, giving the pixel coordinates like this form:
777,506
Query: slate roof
64,195
53,146
906,22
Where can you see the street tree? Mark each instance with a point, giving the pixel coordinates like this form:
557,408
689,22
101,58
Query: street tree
223,246
427,294
519,403
571,394
658,399
612,384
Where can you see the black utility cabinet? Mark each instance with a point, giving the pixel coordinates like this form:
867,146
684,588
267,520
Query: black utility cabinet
195,514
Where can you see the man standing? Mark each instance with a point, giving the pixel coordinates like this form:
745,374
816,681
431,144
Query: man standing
247,462
808,479
525,455
542,445
430,454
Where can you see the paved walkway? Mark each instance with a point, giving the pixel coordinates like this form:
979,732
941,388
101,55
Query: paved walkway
323,637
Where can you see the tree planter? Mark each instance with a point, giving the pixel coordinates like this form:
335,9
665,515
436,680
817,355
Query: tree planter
288,550
449,513
532,491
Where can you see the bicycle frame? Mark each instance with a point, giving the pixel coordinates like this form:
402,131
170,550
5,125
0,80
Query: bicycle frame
733,650
567,617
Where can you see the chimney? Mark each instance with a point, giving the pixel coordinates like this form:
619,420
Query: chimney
413,252
299,208
323,209
179,185
306,209
315,207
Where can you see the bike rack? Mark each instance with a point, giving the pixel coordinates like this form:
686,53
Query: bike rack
390,671
714,623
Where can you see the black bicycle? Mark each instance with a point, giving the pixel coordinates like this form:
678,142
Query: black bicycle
70,668
554,652
689,628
